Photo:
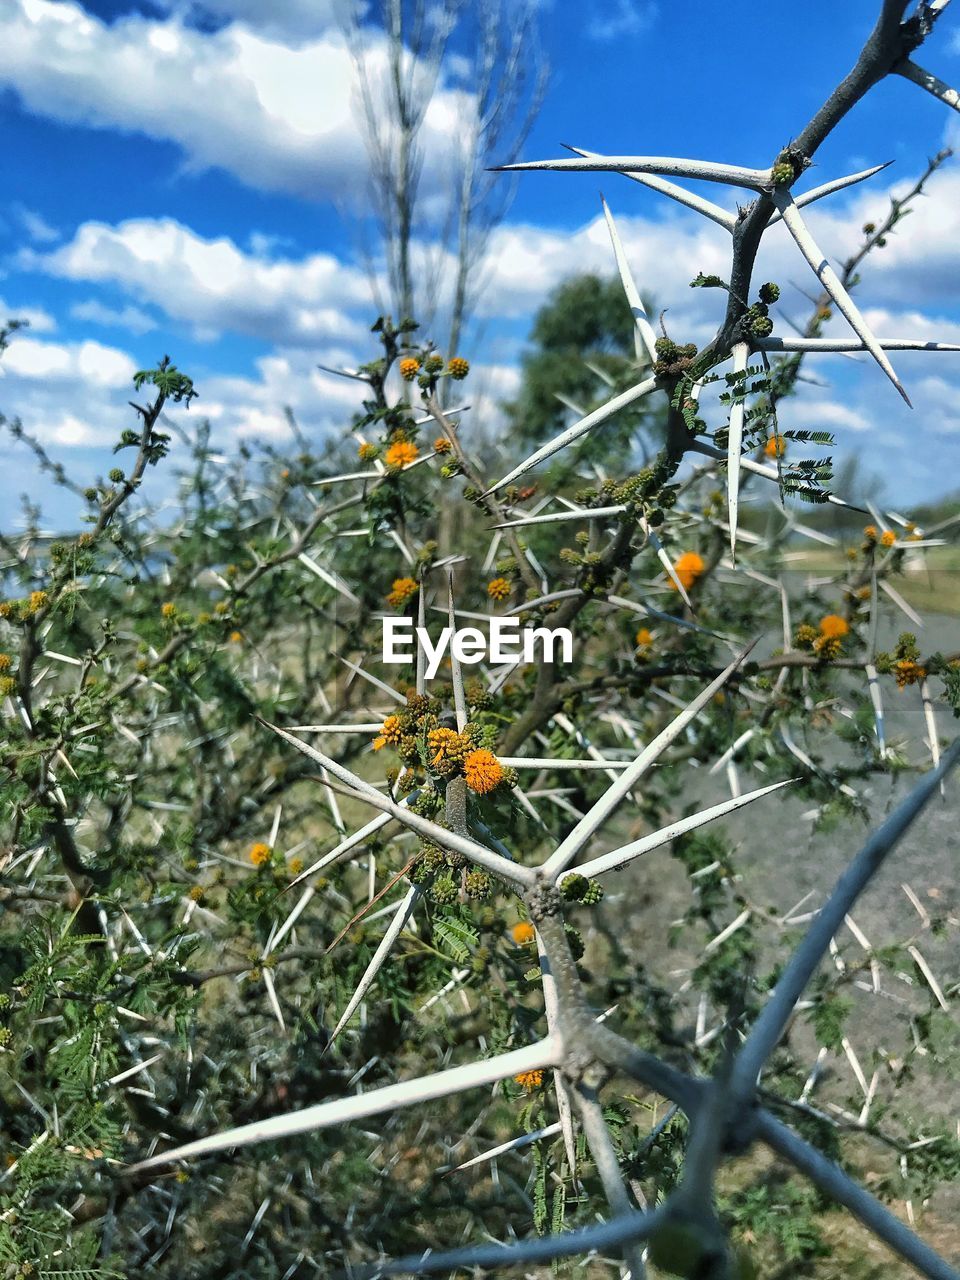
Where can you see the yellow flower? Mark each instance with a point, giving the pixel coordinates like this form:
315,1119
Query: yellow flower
37,600
775,447
390,733
446,745
458,368
530,1079
833,627
7,685
887,538
4,662
482,770
259,854
236,637
688,569
409,368
644,637
870,533
168,610
196,893
403,589
295,866
908,672
523,933
401,454
499,588
805,635
367,451
442,445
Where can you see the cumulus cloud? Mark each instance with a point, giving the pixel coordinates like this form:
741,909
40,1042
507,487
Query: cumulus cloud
212,285
39,320
285,19
37,228
616,19
90,363
277,117
133,319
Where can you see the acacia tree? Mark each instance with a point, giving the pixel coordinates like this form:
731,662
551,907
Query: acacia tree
215,959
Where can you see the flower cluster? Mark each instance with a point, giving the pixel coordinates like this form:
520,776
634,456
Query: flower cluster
529,1079
401,591
904,663
401,453
688,569
420,739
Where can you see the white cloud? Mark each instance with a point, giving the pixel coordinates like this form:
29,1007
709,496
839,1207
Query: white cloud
285,19
131,318
615,19
88,362
217,286
275,116
39,320
38,229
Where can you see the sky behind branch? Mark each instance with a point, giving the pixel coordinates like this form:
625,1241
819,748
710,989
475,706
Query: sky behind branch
189,181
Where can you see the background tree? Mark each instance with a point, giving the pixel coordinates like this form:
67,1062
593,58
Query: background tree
581,348
487,53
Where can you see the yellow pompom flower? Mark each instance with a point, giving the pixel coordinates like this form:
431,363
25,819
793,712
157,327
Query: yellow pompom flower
644,638
442,445
4,662
168,610
775,447
403,589
499,588
870,533
529,1079
482,770
458,368
259,854
37,600
523,933
236,637
908,671
401,453
366,451
887,538
688,569
409,368
833,626
391,731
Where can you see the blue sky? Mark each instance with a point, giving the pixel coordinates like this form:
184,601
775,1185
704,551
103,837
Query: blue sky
189,183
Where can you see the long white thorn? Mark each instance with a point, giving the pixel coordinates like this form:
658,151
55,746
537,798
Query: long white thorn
730,175
814,345
831,282
472,1075
568,848
688,198
626,853
644,331
577,430
927,80
828,188
557,517
470,849
378,959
